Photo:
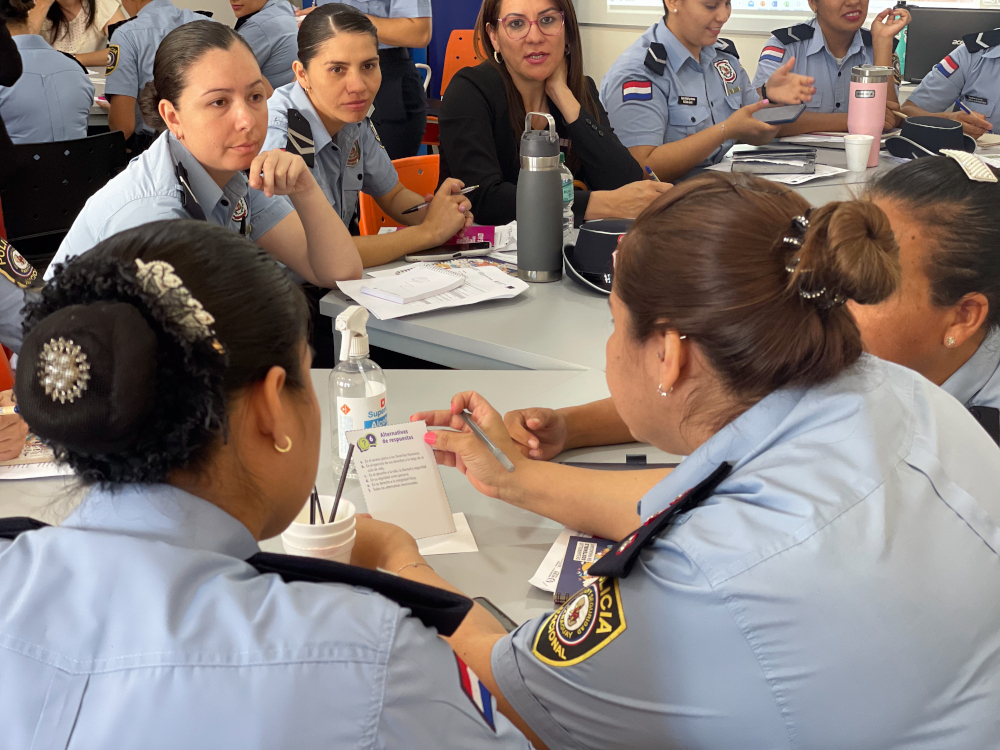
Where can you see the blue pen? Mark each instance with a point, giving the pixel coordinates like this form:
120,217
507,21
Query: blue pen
7,411
962,107
652,175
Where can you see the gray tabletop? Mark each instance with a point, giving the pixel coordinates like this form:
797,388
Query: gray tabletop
555,326
512,541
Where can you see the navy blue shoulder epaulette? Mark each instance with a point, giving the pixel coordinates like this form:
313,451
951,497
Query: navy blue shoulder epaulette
618,561
982,41
656,58
729,48
989,418
792,34
300,138
73,58
866,39
113,27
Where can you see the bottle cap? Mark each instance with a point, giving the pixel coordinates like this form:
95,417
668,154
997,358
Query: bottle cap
351,324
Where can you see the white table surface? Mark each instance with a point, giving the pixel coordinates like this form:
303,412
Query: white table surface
554,326
512,541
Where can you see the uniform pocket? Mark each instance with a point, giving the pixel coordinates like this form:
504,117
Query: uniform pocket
816,104
684,120
986,110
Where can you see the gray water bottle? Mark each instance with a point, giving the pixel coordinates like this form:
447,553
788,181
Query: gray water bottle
539,204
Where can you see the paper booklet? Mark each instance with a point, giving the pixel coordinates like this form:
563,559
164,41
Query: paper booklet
37,461
424,281
480,285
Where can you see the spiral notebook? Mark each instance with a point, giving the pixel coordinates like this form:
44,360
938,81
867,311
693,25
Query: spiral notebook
417,283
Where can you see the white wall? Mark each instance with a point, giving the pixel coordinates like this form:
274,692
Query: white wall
603,44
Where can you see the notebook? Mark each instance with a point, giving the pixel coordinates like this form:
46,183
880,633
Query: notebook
417,283
581,553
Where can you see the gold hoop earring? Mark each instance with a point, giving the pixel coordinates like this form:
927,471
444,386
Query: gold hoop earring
949,342
497,58
286,448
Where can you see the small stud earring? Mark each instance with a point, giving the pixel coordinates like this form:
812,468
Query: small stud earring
949,342
659,389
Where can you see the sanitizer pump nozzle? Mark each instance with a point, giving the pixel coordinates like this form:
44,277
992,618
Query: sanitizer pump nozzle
354,336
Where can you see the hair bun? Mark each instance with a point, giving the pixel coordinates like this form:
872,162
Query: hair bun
87,377
149,107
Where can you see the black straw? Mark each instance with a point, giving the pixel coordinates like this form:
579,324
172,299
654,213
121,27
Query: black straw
340,487
319,505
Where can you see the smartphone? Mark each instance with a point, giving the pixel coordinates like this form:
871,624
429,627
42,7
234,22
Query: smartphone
452,252
508,624
780,115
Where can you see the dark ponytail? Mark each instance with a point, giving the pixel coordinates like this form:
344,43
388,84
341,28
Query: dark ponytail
179,50
15,10
962,217
767,312
326,22
153,398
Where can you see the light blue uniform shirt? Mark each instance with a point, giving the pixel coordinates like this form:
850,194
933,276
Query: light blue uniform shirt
388,9
148,190
351,162
647,108
839,589
977,382
137,624
272,34
132,50
813,58
972,77
52,98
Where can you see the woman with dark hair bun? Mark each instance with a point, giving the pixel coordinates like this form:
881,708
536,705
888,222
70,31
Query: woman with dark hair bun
169,367
323,114
835,515
207,98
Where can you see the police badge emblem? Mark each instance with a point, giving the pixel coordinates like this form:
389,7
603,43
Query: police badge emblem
728,75
113,52
354,156
241,214
16,269
585,624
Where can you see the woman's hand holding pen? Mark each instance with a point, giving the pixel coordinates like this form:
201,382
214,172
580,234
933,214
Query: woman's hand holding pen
467,453
448,213
973,123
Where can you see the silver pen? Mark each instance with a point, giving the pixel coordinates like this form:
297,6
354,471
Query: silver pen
463,191
478,432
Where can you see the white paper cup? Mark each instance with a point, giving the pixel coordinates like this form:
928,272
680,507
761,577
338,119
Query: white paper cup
858,149
328,541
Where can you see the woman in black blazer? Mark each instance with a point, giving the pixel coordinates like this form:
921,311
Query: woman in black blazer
534,63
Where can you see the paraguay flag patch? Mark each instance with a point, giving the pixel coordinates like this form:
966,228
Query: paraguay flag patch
637,91
480,696
947,66
772,53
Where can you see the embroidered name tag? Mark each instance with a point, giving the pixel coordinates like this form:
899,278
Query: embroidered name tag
975,99
691,100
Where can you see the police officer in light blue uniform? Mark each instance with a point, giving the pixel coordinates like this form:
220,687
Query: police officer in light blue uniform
150,618
969,75
52,99
167,182
834,516
660,92
400,107
270,30
131,53
345,165
810,44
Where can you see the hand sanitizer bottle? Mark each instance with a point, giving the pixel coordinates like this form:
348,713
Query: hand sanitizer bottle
357,386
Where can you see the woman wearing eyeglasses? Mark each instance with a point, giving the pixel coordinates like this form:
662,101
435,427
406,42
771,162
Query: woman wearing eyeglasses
534,63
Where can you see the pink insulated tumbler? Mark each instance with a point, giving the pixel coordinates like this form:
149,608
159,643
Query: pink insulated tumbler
866,109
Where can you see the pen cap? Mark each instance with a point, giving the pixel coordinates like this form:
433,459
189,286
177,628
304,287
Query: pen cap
354,334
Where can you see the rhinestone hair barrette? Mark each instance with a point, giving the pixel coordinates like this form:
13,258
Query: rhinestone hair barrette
64,371
159,279
801,225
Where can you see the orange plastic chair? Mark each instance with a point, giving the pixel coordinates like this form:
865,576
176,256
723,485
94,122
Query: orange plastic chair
417,173
6,376
460,53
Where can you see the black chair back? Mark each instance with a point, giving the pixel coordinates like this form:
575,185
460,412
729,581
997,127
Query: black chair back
49,185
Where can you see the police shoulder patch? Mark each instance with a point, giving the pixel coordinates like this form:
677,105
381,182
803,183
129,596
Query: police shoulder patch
588,622
15,268
792,34
113,53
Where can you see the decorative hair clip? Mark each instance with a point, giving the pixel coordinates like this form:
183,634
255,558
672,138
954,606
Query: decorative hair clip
64,371
800,224
159,279
974,167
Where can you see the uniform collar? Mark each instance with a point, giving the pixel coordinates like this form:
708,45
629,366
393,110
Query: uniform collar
677,53
205,190
966,382
31,41
300,101
155,5
161,513
992,52
818,42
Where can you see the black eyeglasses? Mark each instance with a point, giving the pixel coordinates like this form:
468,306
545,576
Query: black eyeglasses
518,27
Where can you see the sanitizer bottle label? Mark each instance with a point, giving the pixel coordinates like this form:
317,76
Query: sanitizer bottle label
360,414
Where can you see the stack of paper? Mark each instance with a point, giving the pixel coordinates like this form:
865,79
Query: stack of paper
422,282
827,139
822,170
480,285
